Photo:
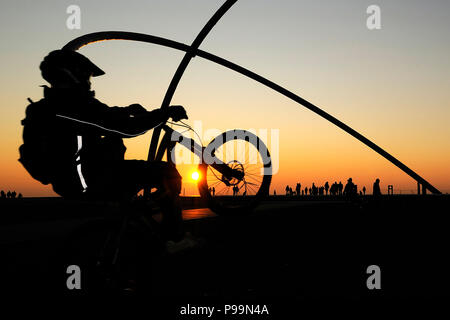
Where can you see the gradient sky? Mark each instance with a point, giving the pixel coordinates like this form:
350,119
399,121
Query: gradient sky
391,85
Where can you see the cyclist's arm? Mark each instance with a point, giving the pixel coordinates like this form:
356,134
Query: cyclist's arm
101,119
124,122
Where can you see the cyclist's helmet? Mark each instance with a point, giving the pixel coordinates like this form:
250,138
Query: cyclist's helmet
61,65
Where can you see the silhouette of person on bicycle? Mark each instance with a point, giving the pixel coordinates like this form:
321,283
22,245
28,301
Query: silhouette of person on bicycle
74,142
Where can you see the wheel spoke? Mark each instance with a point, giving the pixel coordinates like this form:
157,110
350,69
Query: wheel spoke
241,156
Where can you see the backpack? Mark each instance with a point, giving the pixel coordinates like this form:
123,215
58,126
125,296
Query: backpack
37,153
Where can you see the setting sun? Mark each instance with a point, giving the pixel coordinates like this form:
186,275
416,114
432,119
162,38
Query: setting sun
195,175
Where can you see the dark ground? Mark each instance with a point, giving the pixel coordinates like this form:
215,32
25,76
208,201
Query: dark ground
288,250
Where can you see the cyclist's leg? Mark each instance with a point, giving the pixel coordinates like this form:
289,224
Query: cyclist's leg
135,175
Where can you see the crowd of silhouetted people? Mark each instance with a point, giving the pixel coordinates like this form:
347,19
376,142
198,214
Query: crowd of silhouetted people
335,189
10,195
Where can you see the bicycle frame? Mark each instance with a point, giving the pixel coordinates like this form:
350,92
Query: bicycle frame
172,137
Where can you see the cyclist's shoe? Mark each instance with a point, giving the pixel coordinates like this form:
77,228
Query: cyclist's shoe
185,244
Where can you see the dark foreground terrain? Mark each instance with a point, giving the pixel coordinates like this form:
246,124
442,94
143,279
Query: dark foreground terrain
287,250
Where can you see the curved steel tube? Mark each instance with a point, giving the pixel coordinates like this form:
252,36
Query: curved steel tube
120,35
182,67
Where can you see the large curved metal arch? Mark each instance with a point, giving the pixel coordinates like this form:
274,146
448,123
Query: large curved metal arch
182,67
121,35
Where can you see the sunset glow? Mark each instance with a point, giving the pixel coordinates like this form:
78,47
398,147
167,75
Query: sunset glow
195,176
390,84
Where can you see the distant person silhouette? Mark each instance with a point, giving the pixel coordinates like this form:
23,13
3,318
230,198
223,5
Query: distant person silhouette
287,190
364,190
13,194
376,188
298,188
20,196
334,189
349,189
8,194
327,187
306,191
340,188
314,190
3,194
74,142
274,192
213,191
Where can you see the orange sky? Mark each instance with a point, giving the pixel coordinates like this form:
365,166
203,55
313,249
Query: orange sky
391,85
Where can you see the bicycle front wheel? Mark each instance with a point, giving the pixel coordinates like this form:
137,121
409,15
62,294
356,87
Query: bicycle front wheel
236,183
